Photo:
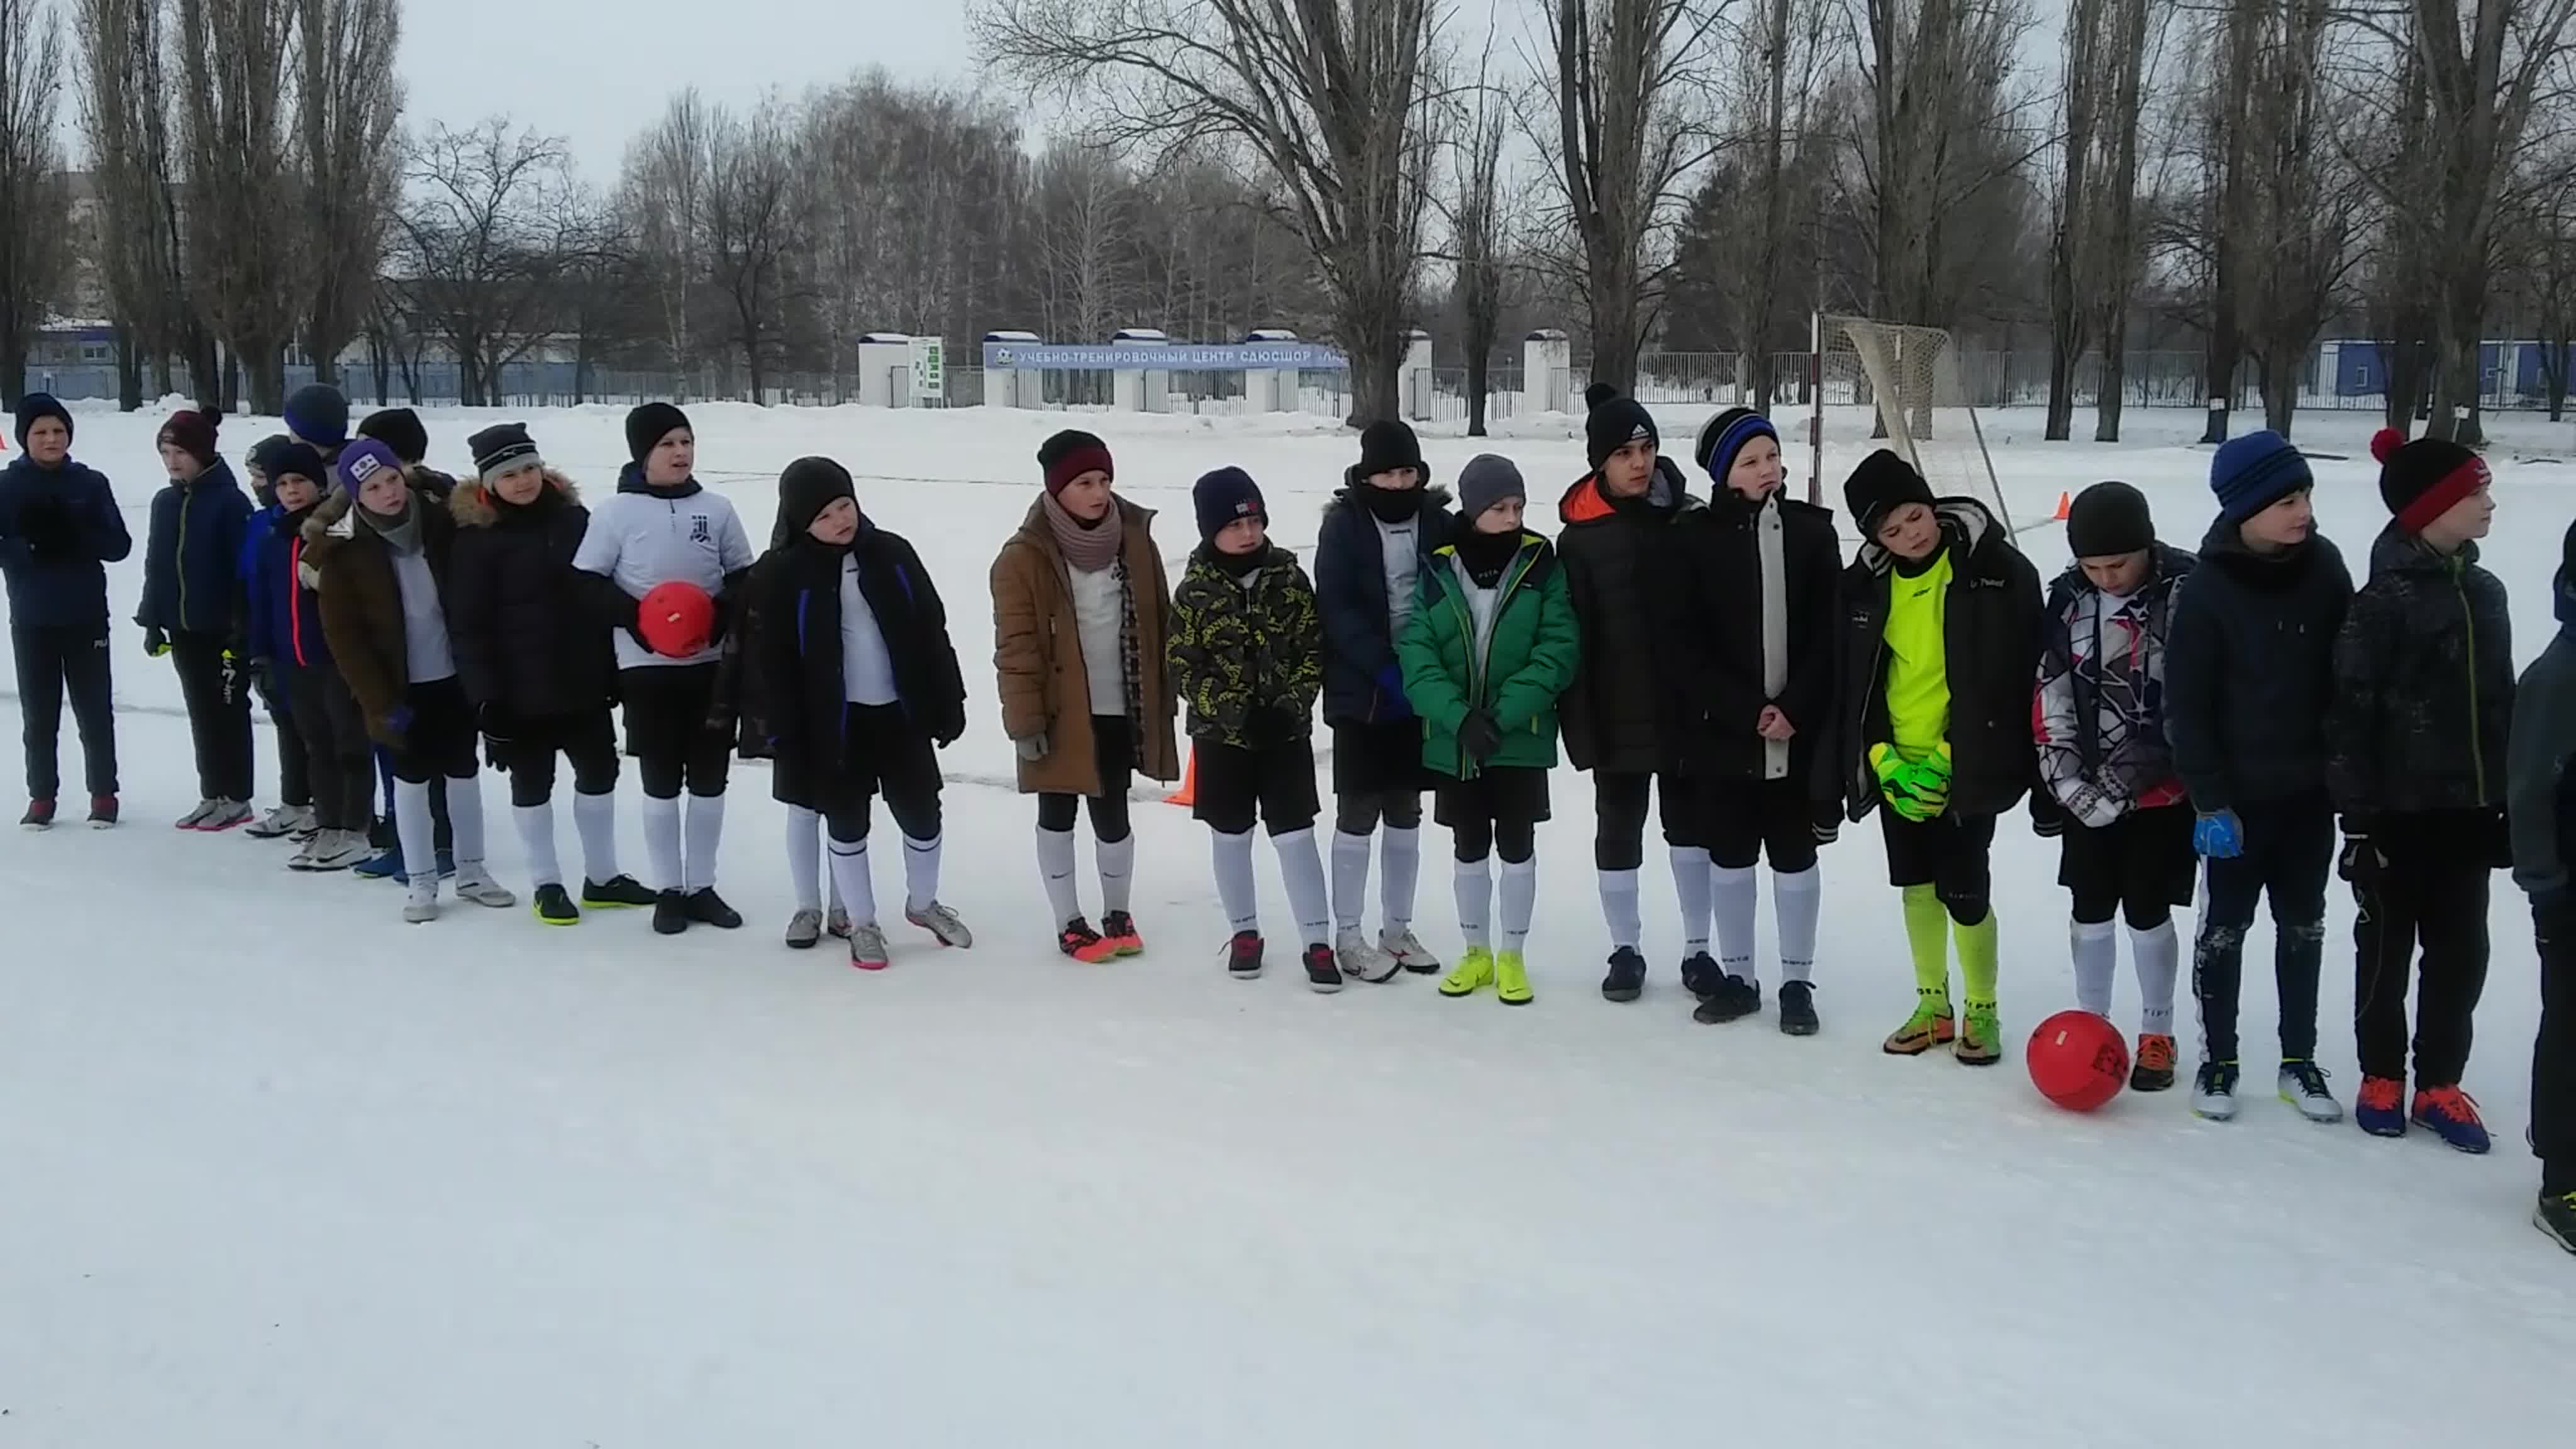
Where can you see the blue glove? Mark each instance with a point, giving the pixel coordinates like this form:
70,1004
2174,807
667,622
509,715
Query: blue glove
1390,688
2217,835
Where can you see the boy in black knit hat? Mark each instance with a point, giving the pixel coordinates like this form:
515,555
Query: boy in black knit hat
1625,571
2416,739
1247,656
1376,541
2543,745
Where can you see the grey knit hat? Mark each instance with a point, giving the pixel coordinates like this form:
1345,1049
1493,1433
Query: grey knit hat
1487,479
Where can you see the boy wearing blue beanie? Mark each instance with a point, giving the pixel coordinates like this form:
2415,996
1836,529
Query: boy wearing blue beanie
2249,671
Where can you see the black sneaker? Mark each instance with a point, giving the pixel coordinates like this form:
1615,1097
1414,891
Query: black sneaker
706,908
1734,999
1627,978
670,913
1243,955
102,811
554,906
1323,972
1700,976
617,890
2556,1216
40,814
1798,1009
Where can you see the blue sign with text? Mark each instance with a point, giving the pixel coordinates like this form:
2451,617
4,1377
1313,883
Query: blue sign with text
1178,357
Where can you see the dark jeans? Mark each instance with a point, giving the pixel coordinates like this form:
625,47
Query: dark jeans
294,762
51,662
217,692
2433,894
2289,848
2553,1056
339,762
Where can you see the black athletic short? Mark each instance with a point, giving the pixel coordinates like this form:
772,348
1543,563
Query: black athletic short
1379,759
884,753
1744,820
1950,852
440,742
1275,783
2142,861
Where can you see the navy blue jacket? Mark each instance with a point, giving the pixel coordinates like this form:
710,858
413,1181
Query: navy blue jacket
58,526
1350,592
285,618
192,564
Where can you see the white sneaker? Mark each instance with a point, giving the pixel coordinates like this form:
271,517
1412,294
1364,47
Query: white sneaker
942,922
336,850
2213,1092
302,859
2303,1085
1408,951
197,817
837,922
420,900
804,929
283,821
225,815
868,947
474,883
1359,958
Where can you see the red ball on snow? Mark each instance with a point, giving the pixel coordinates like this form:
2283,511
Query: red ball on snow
2078,1060
677,619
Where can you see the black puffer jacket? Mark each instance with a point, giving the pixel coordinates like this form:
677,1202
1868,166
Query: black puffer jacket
1350,593
796,691
1625,569
525,644
2423,685
1990,630
1720,694
2249,668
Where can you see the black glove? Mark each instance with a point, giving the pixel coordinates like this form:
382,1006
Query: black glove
721,616
494,724
46,527
2047,817
155,643
1479,736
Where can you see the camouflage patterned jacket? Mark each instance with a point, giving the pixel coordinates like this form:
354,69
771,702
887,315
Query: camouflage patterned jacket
1247,652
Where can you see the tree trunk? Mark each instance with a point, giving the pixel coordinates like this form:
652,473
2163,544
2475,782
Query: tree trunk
2226,353
2457,382
2115,375
1475,391
129,371
2280,390
325,352
13,368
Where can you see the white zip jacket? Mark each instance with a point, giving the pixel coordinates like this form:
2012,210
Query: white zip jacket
640,537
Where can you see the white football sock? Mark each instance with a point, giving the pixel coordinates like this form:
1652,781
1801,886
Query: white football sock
2095,947
1301,869
858,887
416,832
1350,879
537,837
921,872
465,819
1117,872
1232,855
1618,906
706,833
1733,891
1399,871
1691,884
1796,899
1055,868
2159,956
1520,900
594,817
662,840
805,857
1475,891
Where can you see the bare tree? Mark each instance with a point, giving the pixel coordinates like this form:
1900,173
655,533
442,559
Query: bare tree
486,237
1629,119
233,99
2073,253
2302,212
752,226
2119,243
348,102
1477,225
1083,216
34,204
1332,97
665,195
125,121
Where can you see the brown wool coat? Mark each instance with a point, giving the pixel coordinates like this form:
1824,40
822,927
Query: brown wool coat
1038,652
362,613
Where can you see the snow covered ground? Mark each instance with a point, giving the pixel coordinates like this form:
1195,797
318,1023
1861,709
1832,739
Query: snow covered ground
280,1171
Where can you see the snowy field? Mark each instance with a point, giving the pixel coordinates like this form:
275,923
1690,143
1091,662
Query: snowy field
277,1170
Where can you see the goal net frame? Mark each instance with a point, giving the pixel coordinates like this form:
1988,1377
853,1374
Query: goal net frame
1876,384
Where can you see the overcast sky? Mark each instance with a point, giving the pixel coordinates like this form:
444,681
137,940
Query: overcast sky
599,71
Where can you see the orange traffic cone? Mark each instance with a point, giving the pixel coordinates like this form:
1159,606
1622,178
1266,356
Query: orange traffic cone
1188,794
2065,505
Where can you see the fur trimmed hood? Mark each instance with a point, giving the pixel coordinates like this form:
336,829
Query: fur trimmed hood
473,507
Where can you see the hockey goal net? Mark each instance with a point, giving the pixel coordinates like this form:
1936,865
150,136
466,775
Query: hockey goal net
1889,385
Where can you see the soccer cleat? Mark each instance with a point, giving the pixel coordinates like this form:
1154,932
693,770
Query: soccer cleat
706,908
2556,1216
1408,951
616,891
2453,1116
1119,929
384,864
1798,1009
554,906
868,947
2303,1085
670,913
2154,1071
420,903
1981,1036
281,822
2213,1091
1243,955
1627,978
1701,975
102,811
334,850
1323,971
1473,973
197,817
1084,944
2380,1109
474,883
804,930
1359,960
836,923
227,815
1511,979
942,922
39,816
1930,1026
1734,999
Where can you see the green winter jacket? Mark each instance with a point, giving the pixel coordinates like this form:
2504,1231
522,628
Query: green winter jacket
1530,662
1248,659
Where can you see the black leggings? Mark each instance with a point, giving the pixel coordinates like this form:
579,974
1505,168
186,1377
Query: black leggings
1359,814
